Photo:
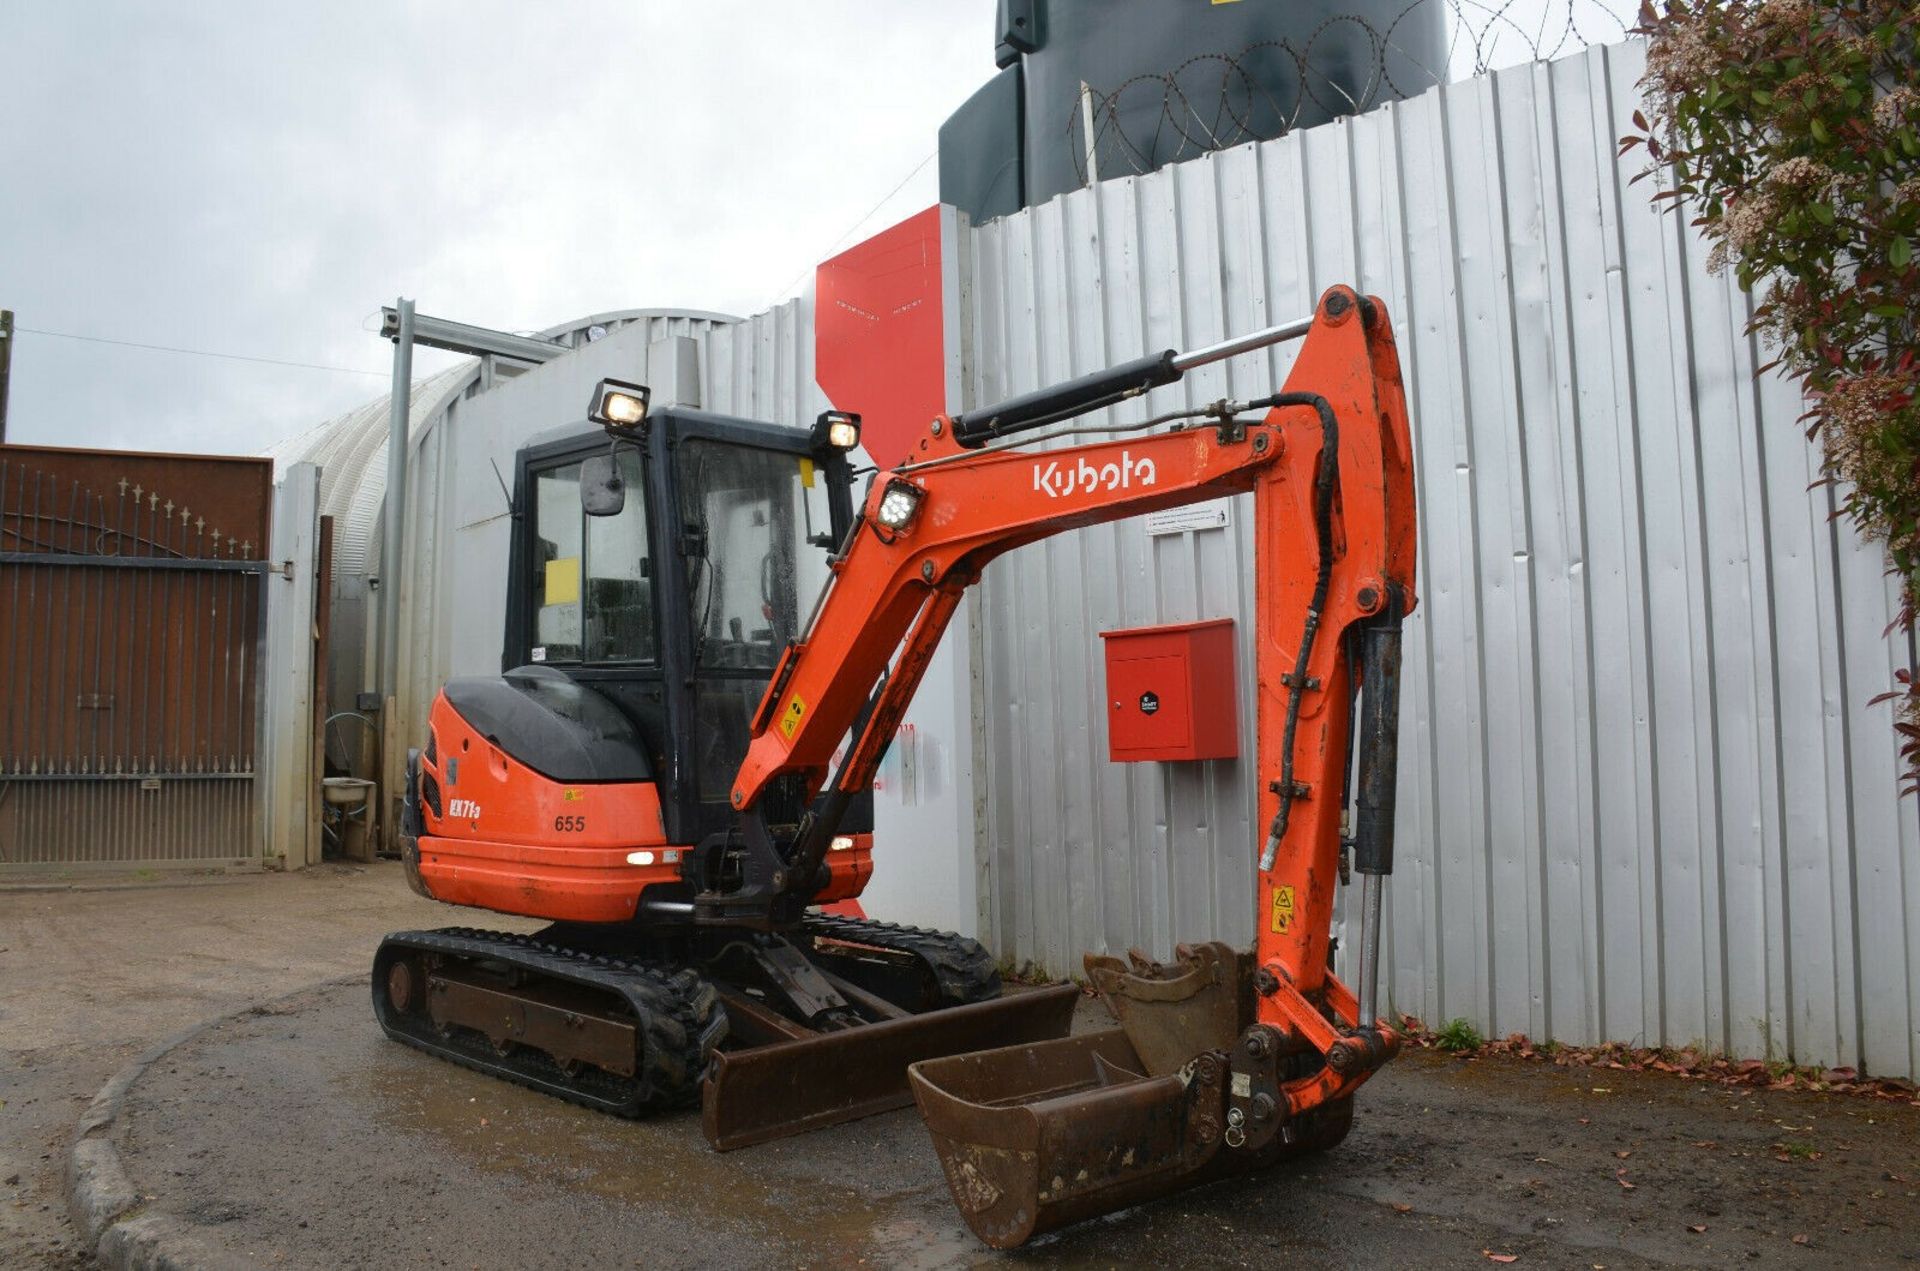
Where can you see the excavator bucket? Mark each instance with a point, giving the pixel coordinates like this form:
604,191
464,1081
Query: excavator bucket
1034,1137
1200,1001
790,1087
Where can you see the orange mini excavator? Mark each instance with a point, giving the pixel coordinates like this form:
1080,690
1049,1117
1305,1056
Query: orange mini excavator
677,771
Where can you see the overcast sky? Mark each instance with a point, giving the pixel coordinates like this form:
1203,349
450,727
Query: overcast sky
258,178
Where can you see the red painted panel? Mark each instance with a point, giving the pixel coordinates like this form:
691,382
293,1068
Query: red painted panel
878,346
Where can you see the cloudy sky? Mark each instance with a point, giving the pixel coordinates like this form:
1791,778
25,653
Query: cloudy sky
256,179
259,178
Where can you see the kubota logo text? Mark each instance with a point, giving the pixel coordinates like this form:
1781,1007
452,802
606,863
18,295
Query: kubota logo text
1056,481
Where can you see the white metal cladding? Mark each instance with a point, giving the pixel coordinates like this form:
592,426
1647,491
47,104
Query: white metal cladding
762,368
1642,796
453,594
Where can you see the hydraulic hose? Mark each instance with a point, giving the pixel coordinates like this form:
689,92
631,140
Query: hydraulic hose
1323,487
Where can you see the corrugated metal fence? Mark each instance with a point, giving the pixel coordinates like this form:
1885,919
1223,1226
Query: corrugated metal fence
1642,795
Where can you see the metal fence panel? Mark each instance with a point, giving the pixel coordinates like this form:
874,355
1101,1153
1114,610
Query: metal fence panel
130,598
1643,796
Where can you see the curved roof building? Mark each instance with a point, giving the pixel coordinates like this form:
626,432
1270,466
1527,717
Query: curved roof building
351,449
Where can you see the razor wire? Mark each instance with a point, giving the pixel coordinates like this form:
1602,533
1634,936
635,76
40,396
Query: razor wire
1213,100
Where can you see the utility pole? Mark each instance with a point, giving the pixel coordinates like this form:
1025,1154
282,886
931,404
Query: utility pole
6,366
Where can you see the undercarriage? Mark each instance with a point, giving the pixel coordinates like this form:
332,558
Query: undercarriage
632,1023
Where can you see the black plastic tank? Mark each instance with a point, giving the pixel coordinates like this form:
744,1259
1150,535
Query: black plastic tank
1096,89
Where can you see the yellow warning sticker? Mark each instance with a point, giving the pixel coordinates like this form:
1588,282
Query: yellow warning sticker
563,581
790,718
572,794
806,473
1282,909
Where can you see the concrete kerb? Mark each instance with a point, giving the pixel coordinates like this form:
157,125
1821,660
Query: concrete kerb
104,1203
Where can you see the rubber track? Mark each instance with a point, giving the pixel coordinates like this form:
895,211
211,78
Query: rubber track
679,1014
962,967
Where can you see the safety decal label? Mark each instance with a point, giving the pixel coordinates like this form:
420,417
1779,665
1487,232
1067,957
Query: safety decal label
572,794
1282,908
791,717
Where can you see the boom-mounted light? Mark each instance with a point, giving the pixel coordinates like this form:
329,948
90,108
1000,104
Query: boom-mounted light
899,504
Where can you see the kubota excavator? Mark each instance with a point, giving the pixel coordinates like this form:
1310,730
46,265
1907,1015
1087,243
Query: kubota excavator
679,768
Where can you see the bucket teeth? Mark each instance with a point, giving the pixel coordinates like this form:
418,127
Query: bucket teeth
1171,1012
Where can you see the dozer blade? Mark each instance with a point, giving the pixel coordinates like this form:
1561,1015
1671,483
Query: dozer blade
1033,1137
790,1087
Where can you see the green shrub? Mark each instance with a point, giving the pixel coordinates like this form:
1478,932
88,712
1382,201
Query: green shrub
1790,131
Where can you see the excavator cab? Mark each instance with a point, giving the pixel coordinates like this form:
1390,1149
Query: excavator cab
667,572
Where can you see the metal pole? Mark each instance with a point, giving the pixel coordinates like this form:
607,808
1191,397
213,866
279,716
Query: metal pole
394,520
6,366
1370,890
1087,133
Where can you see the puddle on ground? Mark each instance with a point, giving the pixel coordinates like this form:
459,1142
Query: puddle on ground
501,1129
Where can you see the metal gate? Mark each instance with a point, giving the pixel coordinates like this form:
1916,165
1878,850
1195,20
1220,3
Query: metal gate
130,651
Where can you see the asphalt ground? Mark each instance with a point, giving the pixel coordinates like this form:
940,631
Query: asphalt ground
95,970
295,1135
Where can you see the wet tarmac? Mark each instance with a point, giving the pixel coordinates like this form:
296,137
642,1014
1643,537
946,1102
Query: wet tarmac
94,970
303,1138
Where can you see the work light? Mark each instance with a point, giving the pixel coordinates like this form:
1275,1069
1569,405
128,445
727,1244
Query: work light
841,842
899,504
836,430
619,405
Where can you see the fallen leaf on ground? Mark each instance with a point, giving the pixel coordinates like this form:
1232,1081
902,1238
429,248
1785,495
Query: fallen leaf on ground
1403,1209
1697,1228
1800,1239
1624,1155
1491,1256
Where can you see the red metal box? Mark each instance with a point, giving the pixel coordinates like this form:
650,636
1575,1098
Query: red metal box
1171,693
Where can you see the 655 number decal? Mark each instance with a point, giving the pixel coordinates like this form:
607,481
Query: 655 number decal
568,824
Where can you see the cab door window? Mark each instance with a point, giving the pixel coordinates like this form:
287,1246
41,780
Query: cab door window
592,584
